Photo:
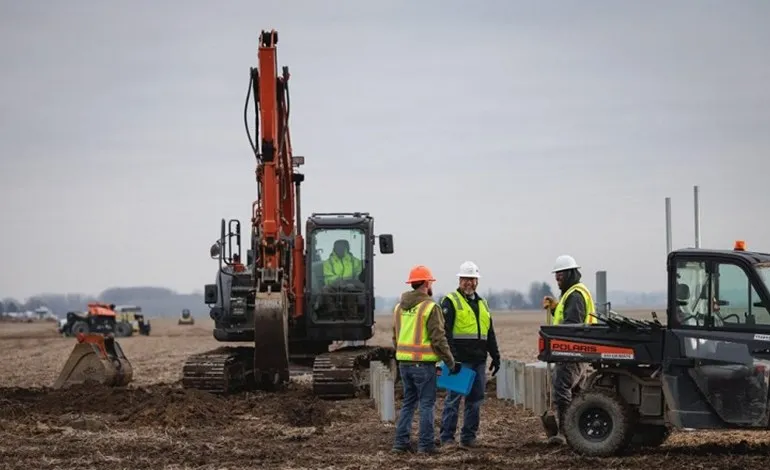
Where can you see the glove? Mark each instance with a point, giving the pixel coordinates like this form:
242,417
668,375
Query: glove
456,369
549,302
494,366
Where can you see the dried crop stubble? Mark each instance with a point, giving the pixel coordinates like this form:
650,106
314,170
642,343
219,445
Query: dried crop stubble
152,425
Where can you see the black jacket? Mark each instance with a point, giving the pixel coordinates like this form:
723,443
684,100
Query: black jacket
471,351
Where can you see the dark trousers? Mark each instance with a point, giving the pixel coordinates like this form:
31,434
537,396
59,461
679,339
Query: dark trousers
568,380
419,380
471,408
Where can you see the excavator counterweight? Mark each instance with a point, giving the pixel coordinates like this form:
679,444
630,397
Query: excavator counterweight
96,359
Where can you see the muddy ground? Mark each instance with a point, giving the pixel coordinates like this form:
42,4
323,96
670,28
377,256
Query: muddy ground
154,424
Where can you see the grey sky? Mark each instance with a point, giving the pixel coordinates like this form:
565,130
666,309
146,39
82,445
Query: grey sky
503,132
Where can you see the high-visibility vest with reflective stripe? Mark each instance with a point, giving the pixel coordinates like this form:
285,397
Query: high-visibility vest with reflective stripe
412,341
558,314
465,324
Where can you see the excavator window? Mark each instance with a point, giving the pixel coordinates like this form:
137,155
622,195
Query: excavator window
341,255
338,272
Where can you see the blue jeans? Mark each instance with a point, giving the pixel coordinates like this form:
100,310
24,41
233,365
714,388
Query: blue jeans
419,381
472,408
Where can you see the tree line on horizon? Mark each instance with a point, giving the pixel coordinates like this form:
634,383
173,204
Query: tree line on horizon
164,302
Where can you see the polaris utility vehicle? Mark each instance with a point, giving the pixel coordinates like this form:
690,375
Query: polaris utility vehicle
707,368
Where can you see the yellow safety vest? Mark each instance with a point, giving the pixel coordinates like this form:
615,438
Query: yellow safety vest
558,314
465,325
412,341
345,268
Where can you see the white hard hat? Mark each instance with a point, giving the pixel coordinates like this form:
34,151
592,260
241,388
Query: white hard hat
469,269
563,263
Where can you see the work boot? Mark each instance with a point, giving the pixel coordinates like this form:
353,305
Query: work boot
447,443
397,449
472,444
559,439
431,451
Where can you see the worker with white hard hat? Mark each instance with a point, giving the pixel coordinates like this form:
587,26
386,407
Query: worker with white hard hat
471,337
574,306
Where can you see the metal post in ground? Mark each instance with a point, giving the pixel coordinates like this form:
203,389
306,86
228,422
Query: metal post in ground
601,293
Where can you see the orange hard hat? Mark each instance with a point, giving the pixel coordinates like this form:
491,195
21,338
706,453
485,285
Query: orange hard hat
420,273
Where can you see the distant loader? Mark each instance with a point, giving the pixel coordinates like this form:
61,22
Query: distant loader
96,358
186,318
132,316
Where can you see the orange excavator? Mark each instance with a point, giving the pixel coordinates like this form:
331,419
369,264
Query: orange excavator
292,298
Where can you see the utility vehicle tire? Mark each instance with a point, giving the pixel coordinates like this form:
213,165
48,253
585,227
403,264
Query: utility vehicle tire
650,435
598,423
123,329
79,327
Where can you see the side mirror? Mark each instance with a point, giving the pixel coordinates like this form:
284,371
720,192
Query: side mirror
386,244
210,294
215,250
723,303
249,257
758,305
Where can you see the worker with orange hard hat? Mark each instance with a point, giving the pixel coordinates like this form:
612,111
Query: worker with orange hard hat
420,342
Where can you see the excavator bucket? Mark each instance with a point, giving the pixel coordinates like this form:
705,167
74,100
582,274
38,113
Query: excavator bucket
96,359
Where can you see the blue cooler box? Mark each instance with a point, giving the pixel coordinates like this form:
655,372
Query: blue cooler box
460,382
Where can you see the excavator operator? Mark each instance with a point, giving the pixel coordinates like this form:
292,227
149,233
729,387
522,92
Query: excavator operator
341,265
575,306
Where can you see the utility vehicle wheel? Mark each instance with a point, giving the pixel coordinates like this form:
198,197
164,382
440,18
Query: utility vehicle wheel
598,423
650,435
123,329
79,327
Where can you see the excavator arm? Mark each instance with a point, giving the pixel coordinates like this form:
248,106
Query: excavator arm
279,245
278,269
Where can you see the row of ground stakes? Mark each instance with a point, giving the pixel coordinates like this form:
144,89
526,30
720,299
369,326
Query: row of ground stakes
522,383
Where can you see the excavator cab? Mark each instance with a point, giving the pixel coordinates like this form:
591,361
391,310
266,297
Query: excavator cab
339,292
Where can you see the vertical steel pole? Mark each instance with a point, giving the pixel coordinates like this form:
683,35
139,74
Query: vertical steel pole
696,208
601,292
668,225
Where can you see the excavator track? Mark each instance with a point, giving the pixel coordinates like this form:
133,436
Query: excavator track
221,371
231,369
344,373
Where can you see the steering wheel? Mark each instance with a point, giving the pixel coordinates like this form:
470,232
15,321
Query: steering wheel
722,319
696,316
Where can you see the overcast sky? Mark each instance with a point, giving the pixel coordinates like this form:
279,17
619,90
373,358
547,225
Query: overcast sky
504,132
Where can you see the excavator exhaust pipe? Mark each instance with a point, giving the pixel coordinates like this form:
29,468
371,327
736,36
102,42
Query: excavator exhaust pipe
96,359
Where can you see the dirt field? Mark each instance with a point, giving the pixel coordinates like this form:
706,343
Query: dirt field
154,424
